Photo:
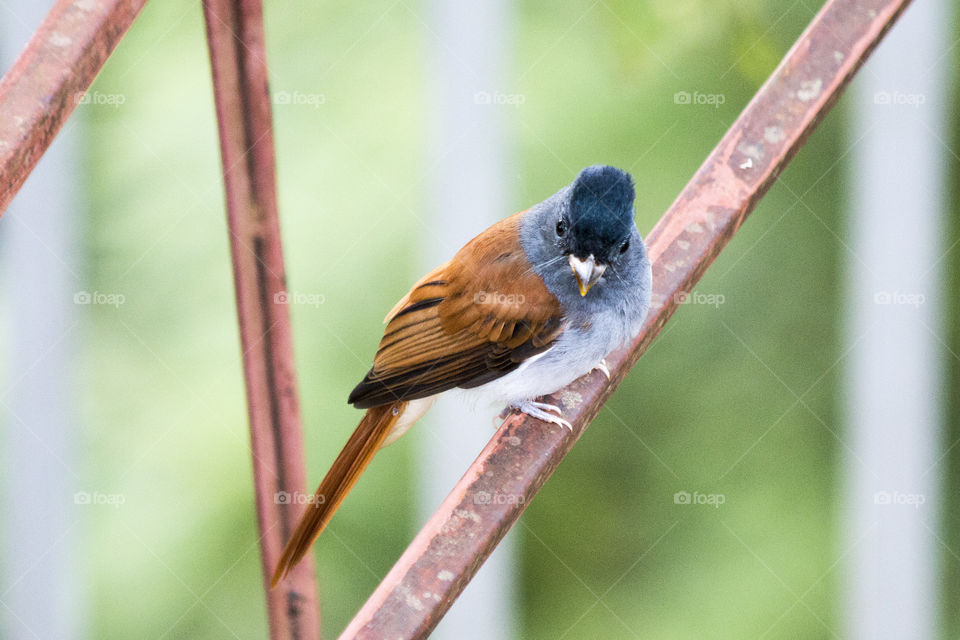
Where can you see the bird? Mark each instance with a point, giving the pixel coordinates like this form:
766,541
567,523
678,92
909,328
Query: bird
526,307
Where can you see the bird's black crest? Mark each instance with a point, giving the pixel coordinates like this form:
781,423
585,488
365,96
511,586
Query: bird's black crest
601,209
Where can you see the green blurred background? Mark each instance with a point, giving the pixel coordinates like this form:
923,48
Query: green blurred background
163,414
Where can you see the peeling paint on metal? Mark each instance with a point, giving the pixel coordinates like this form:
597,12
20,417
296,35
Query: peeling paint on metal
414,602
773,134
57,39
570,399
809,89
711,219
750,150
468,515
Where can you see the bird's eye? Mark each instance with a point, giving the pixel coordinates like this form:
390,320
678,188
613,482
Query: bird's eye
625,246
561,228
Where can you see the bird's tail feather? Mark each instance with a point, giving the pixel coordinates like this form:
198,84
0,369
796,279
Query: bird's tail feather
353,459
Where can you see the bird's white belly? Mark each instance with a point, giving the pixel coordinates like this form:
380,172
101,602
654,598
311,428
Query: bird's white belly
576,352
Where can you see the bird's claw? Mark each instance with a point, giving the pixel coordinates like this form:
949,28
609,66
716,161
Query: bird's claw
542,411
602,365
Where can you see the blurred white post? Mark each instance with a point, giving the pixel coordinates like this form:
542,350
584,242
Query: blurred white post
895,373
466,194
38,245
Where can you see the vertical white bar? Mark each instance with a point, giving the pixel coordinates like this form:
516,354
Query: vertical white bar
466,195
38,266
895,373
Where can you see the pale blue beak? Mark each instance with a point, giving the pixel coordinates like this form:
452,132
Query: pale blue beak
587,272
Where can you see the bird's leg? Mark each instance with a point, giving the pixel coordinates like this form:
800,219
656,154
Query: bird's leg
602,365
541,411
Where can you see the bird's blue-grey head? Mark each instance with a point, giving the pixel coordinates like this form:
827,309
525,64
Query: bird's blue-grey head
585,230
583,239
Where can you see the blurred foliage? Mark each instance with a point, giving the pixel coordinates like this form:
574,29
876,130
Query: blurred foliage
711,407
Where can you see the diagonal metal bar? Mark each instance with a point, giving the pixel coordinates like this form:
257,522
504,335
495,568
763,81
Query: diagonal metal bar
237,54
49,79
509,472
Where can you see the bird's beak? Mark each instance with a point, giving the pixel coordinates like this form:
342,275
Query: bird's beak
587,272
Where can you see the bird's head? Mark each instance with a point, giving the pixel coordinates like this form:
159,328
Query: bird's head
594,230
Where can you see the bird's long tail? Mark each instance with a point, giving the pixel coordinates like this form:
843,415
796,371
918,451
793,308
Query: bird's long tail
369,436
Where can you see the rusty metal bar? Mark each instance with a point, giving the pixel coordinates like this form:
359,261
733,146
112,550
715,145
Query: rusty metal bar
237,54
453,544
49,79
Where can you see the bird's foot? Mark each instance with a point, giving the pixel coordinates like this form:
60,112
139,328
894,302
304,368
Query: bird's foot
542,411
602,365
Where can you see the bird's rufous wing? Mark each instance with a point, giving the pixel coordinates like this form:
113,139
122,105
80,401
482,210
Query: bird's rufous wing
467,322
